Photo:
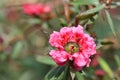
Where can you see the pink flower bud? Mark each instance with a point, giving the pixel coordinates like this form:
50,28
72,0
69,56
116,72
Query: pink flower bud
99,72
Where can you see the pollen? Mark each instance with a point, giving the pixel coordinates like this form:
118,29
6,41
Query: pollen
72,47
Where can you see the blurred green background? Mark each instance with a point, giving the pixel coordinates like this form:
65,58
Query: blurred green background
24,46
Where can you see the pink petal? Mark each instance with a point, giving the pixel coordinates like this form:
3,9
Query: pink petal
79,62
60,57
56,40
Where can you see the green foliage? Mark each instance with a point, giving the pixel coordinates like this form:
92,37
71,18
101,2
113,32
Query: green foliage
55,74
45,60
117,58
25,47
85,2
104,65
79,76
110,22
90,13
16,50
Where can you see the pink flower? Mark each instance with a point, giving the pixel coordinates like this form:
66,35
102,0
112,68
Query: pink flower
99,72
73,45
36,9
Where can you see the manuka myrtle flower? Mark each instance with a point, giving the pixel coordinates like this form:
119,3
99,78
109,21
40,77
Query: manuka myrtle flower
72,45
36,9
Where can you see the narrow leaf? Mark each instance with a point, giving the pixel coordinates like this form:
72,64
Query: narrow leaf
66,75
16,50
59,71
117,58
79,76
85,2
54,73
51,74
90,13
46,60
105,67
94,10
106,42
110,22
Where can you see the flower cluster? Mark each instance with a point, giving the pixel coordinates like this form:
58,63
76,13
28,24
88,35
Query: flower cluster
36,9
72,45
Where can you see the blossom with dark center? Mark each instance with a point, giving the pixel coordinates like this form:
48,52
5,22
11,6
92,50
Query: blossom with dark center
72,45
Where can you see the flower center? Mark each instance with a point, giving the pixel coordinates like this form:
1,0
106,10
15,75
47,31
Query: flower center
72,47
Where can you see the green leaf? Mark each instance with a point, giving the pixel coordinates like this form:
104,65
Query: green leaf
30,62
54,73
105,67
59,71
85,2
50,75
45,60
90,13
66,75
93,19
106,42
61,76
79,76
117,58
94,10
16,50
110,22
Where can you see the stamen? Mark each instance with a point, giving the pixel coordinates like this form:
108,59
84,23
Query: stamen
72,47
